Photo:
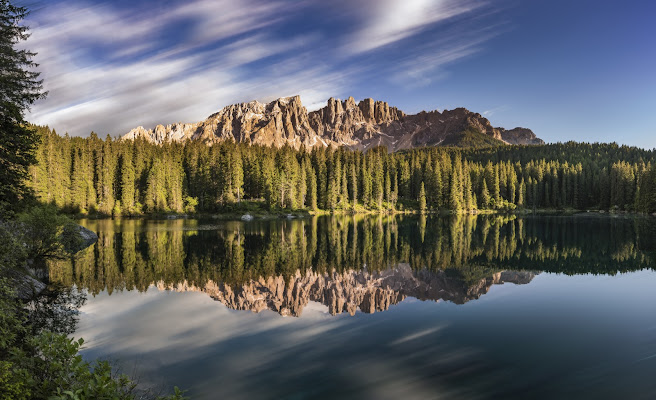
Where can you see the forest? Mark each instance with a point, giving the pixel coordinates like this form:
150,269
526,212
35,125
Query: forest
126,177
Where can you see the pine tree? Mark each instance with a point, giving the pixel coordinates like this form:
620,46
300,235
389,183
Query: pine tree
485,196
365,179
378,181
496,189
20,87
354,186
468,200
395,190
435,194
333,190
127,182
388,188
312,192
78,189
521,194
422,199
344,196
236,174
455,194
301,188
106,198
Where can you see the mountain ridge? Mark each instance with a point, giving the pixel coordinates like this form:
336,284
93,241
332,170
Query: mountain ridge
363,125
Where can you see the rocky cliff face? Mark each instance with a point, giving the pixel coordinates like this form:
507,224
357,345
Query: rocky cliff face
360,125
520,136
349,291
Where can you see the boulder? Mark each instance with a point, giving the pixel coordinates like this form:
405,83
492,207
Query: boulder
28,287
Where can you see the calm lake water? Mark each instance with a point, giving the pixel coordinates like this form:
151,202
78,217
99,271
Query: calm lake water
375,307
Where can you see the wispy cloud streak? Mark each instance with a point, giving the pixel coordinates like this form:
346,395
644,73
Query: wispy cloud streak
109,69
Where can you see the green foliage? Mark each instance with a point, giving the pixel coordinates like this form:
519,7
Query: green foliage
61,372
646,193
40,364
13,382
471,138
46,233
422,199
20,87
190,204
37,358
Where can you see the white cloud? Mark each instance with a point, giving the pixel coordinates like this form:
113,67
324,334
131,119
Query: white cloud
109,70
389,21
180,83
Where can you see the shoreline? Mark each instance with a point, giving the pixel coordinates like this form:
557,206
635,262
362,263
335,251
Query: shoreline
300,214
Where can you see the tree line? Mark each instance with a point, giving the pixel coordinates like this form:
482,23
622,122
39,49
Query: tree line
136,253
132,177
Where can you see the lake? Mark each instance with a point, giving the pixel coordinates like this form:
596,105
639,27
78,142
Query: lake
374,307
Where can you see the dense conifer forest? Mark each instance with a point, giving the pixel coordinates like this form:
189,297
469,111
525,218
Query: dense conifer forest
125,177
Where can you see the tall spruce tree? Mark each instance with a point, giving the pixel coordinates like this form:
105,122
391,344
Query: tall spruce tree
485,196
20,87
422,199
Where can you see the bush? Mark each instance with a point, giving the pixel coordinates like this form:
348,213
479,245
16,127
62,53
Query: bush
47,365
41,229
35,362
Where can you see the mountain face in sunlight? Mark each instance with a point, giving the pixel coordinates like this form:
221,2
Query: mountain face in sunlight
362,125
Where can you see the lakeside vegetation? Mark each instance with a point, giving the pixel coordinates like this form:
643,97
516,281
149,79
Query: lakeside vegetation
38,360
134,177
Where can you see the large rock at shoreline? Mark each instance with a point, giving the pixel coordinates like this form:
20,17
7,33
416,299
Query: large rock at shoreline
30,283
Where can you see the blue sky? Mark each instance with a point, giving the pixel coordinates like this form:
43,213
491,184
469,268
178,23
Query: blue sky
570,70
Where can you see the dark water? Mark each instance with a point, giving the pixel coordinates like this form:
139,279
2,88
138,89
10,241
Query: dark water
375,307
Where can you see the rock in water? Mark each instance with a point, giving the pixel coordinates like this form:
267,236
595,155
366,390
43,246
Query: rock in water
82,238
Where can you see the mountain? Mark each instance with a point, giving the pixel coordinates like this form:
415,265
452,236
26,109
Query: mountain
360,125
348,291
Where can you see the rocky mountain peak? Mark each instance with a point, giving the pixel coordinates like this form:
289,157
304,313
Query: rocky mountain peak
358,125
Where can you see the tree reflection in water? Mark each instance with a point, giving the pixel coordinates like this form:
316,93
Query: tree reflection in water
351,262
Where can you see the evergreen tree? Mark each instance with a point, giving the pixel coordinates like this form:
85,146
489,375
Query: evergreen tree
236,174
127,181
454,195
422,199
521,195
485,196
344,196
353,186
312,193
496,189
20,87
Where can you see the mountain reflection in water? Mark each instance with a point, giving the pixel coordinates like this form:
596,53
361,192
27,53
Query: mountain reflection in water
348,291
350,262
583,328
